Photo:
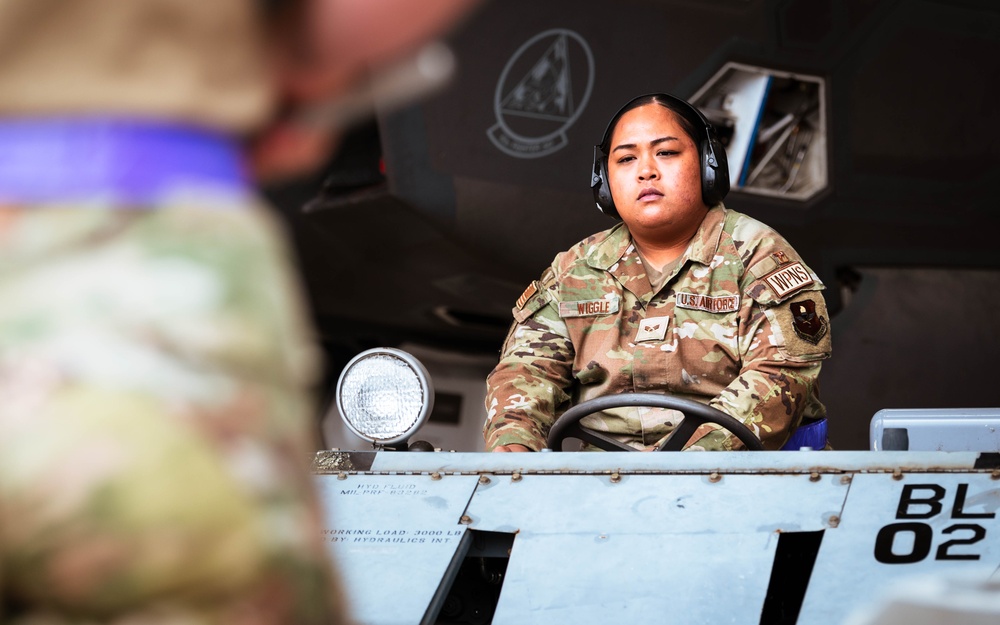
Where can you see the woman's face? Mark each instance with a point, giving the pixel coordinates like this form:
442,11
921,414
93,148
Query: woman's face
654,172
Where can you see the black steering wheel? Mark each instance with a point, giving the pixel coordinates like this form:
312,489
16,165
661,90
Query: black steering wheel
695,414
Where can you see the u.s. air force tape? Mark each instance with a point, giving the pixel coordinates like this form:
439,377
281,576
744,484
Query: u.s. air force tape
589,307
708,303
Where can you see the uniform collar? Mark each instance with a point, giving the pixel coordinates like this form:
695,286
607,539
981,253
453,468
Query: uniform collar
702,248
705,244
617,254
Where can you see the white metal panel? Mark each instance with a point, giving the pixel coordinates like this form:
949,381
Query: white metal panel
657,504
686,462
848,570
619,577
601,534
393,537
646,548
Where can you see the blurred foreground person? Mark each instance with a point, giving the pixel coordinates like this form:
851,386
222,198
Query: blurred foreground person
155,358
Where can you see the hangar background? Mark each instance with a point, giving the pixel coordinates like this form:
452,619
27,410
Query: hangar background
423,232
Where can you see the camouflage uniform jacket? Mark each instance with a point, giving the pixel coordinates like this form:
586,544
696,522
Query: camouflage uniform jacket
741,325
156,425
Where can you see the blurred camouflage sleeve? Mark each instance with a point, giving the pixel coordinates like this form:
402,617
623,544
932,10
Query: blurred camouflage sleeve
530,383
155,422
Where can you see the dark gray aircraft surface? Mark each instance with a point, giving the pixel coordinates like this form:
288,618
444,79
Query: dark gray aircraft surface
865,131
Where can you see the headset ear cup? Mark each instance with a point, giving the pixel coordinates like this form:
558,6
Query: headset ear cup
599,184
714,171
722,183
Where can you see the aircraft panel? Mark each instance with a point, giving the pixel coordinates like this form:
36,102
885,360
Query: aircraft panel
636,578
893,528
403,530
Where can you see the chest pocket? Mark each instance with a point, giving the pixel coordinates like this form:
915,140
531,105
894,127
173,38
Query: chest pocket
705,324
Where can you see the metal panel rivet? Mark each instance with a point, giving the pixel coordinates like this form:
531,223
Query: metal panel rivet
341,476
465,520
834,520
484,479
995,475
435,476
516,477
814,477
615,477
846,479
897,474
714,476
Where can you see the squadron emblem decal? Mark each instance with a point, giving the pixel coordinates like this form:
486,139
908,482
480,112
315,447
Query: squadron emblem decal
541,92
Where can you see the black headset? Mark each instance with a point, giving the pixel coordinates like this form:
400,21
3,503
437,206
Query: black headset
714,163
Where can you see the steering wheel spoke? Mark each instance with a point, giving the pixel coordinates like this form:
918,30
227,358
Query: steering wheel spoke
681,434
595,438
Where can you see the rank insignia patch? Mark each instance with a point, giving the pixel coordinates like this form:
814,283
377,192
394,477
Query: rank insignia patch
808,325
652,329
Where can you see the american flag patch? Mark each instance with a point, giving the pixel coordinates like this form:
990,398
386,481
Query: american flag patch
528,292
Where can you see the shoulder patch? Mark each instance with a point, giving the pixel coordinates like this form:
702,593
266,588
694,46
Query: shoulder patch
809,325
787,279
530,301
769,263
801,327
780,257
534,296
528,292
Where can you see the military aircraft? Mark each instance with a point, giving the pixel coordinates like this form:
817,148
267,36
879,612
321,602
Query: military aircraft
865,131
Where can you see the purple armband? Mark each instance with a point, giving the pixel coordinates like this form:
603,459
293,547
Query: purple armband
129,162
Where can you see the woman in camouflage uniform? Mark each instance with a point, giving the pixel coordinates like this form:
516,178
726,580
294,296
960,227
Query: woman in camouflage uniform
684,297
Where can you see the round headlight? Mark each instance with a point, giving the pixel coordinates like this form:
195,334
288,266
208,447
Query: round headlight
384,395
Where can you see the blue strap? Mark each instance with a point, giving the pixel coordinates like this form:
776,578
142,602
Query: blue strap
811,435
123,161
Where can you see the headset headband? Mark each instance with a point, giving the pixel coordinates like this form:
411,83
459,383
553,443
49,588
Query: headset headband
699,121
713,161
